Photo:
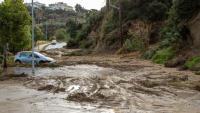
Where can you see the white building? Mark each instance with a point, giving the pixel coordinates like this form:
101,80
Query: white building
35,5
60,5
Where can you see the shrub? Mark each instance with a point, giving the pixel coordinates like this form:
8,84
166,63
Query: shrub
83,33
60,35
52,38
85,44
71,43
134,44
192,62
110,26
164,55
148,55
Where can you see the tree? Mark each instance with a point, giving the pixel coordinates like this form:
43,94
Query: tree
38,34
27,42
60,35
43,7
63,30
79,8
185,8
72,28
14,17
52,38
156,11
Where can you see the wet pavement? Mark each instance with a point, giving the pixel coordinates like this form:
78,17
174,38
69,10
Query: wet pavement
40,47
94,89
58,45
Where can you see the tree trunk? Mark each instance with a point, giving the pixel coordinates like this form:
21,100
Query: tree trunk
7,50
4,58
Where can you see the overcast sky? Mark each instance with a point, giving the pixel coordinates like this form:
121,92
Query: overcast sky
87,4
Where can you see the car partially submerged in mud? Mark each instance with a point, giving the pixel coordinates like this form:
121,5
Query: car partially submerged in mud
26,57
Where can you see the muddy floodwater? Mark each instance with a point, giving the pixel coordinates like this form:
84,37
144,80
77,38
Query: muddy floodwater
93,89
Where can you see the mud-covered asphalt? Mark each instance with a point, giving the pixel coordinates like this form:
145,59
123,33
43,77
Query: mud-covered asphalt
96,84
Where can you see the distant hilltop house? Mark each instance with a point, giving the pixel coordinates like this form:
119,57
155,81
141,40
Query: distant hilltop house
58,5
35,5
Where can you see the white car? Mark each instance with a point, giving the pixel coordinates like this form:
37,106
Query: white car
53,42
26,57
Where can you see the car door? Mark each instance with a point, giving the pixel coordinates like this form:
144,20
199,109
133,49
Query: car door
24,57
36,59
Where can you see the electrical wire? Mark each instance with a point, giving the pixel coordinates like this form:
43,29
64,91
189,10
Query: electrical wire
103,3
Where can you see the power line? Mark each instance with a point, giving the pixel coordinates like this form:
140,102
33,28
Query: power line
103,3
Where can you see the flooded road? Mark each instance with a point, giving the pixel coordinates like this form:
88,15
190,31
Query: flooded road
96,89
58,45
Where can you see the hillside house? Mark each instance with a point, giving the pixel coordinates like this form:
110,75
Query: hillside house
35,4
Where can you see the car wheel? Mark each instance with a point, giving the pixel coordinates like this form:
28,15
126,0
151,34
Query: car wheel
41,62
18,61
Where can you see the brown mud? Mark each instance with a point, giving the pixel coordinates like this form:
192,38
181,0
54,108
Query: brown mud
107,83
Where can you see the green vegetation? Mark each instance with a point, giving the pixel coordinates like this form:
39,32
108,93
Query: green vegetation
38,34
13,21
148,54
86,44
192,62
133,44
52,38
61,34
174,33
180,10
72,28
164,55
71,43
1,59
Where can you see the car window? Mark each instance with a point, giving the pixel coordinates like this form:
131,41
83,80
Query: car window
35,55
31,55
24,54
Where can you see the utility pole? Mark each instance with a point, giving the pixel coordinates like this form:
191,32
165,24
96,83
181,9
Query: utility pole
46,31
38,27
51,29
120,23
33,70
120,20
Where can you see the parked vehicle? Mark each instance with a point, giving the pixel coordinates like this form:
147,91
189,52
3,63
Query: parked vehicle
26,57
53,42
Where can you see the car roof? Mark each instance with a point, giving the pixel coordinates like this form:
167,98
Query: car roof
30,51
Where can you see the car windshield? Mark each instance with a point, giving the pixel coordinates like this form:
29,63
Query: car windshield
39,54
36,53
